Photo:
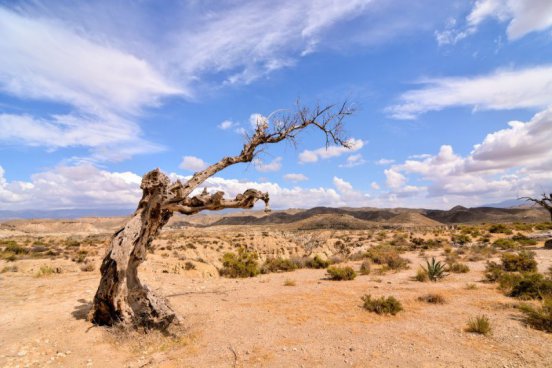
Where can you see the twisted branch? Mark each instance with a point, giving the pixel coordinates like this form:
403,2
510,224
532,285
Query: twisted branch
279,126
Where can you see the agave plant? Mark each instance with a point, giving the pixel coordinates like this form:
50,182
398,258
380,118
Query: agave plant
435,270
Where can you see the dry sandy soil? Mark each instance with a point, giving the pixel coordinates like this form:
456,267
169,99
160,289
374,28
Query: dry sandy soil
260,322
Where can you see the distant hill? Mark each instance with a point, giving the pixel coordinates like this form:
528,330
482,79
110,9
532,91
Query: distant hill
313,218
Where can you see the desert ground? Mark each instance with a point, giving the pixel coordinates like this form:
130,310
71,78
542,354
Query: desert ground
301,318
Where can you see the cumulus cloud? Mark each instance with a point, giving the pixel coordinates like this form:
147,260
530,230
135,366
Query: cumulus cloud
501,90
522,16
375,185
274,165
295,177
192,163
512,162
67,187
309,156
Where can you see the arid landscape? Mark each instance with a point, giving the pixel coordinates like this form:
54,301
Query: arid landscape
290,313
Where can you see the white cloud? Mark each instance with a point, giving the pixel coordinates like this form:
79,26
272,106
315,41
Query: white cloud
192,163
354,160
395,179
503,89
375,185
384,161
295,177
274,165
66,187
523,17
509,163
226,124
45,60
308,156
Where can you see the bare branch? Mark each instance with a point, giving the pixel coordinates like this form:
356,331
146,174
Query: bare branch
282,126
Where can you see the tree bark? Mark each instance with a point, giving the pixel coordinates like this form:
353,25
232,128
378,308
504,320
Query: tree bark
121,298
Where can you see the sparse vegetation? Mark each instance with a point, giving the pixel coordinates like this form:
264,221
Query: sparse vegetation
289,282
458,268
45,270
278,265
480,325
242,264
539,318
523,261
317,262
421,275
365,268
382,305
341,273
432,298
435,270
388,256
500,229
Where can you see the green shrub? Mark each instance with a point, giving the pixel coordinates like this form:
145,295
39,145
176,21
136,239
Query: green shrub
500,229
386,255
341,273
480,325
432,298
523,261
493,271
523,240
460,239
505,243
539,318
435,270
531,286
243,264
365,268
317,262
11,246
544,226
278,265
459,268
382,305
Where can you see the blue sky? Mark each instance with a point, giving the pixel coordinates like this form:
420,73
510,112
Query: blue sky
453,99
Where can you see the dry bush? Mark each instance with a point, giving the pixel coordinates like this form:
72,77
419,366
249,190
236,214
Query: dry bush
242,264
480,325
458,268
432,298
46,270
421,275
278,265
341,273
365,268
382,305
539,318
87,267
289,282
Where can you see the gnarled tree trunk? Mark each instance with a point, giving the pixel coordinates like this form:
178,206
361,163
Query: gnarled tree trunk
121,297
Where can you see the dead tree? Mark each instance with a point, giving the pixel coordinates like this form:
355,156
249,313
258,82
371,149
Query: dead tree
545,202
121,299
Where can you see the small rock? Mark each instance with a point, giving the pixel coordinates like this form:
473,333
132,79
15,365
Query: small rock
22,353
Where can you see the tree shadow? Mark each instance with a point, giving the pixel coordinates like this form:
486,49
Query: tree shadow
81,311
